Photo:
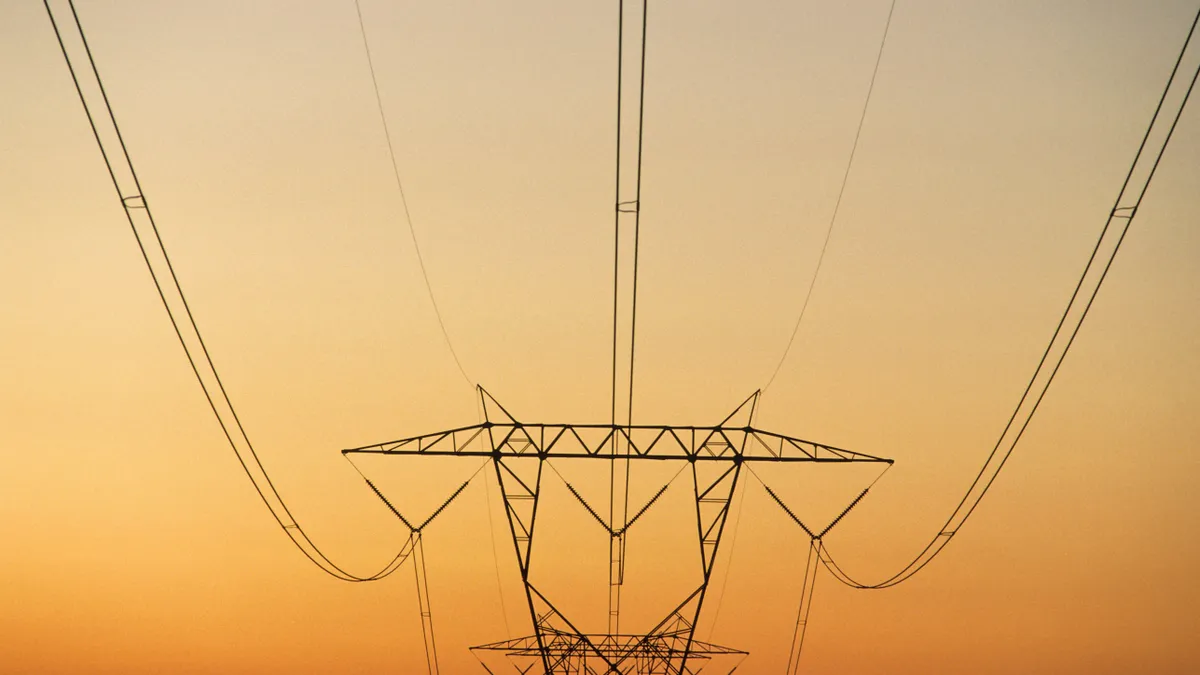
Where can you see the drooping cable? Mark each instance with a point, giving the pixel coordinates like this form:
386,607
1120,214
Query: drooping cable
630,207
612,469
412,232
616,299
1108,244
637,227
811,566
637,216
166,282
812,282
425,605
617,210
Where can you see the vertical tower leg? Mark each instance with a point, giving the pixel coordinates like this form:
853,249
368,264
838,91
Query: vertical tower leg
520,481
714,485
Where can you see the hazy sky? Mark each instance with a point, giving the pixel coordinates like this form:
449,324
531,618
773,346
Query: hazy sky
997,138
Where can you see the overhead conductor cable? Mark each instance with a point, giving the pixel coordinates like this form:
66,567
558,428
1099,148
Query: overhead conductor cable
387,135
104,125
1129,198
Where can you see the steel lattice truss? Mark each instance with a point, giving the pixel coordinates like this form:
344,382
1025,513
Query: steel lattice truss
518,453
506,438
656,653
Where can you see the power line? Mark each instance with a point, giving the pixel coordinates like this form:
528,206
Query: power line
617,209
637,226
137,210
637,214
632,207
837,204
812,565
1115,228
387,135
624,207
425,606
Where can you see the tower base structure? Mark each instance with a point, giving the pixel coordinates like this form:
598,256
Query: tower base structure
598,654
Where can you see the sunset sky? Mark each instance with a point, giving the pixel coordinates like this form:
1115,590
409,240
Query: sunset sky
997,138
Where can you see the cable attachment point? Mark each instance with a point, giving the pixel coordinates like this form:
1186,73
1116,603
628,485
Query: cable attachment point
134,202
631,206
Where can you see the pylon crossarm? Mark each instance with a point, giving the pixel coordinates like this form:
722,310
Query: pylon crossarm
596,441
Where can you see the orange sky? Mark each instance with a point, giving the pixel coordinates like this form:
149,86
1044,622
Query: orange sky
996,140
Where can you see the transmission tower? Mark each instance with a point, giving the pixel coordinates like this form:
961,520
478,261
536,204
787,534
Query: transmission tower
522,454
519,454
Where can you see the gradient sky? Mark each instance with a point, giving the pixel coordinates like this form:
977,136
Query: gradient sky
997,138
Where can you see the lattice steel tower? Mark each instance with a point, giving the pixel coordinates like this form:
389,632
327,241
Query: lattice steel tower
715,456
